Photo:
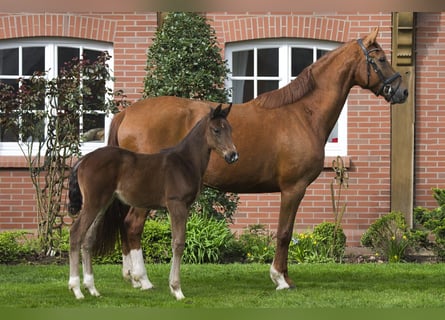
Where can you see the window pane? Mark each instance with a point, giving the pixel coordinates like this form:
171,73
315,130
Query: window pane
94,96
33,60
38,94
333,137
301,58
91,55
33,127
93,127
66,55
8,125
8,133
321,53
242,91
9,61
267,85
268,62
242,64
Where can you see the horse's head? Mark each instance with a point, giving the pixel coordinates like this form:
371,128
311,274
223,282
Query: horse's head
377,74
219,134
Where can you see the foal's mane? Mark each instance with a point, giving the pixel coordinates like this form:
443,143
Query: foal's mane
290,93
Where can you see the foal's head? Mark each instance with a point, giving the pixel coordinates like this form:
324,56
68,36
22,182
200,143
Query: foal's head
219,134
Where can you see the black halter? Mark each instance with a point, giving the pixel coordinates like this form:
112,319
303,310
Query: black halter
386,83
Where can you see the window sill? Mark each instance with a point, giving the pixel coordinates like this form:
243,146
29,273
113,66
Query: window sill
328,161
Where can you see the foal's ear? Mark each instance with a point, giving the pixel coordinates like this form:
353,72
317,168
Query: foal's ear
226,111
370,38
215,112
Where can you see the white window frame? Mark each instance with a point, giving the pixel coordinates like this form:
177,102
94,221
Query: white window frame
51,44
284,76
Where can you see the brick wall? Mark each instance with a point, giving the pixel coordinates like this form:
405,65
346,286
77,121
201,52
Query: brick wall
368,116
430,107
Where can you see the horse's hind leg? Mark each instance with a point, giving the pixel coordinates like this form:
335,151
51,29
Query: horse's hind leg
76,238
78,234
133,260
88,278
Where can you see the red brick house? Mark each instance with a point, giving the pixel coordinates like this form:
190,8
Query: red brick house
364,136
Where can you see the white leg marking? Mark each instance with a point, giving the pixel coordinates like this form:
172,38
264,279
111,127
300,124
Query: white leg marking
138,272
278,278
126,266
174,279
177,293
88,281
74,284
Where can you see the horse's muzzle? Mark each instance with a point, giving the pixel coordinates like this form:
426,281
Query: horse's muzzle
399,96
231,157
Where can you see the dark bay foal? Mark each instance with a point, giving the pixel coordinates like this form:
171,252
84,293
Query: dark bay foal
171,179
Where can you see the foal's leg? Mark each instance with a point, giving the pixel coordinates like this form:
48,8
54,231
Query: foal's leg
88,278
178,214
133,260
288,209
75,241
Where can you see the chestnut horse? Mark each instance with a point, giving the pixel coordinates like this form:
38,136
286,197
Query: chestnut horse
280,135
171,179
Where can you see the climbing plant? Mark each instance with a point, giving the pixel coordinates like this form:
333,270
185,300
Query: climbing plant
45,113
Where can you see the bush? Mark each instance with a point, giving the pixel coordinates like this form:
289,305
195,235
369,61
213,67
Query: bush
257,244
185,60
14,246
319,246
433,221
156,241
389,236
206,239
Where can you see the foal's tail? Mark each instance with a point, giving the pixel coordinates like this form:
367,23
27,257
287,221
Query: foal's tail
74,194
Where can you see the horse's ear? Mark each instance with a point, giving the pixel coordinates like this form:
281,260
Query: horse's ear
215,112
371,38
226,111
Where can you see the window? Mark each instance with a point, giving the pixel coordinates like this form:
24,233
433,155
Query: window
264,65
19,59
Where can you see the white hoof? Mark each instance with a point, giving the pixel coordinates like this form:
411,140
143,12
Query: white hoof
74,285
88,282
177,293
145,284
278,279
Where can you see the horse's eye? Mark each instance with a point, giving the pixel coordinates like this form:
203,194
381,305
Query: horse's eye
382,59
216,130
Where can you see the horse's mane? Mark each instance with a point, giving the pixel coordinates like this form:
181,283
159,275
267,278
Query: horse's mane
294,91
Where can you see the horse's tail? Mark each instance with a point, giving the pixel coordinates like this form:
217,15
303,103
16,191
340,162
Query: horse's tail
74,194
114,127
111,224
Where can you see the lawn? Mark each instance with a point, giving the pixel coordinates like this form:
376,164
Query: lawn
234,286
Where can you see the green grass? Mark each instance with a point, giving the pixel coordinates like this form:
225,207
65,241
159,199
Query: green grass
234,286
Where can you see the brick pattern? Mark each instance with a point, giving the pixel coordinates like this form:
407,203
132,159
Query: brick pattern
368,116
430,111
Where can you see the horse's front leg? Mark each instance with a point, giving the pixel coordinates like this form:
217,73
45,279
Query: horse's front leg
178,214
288,209
132,257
